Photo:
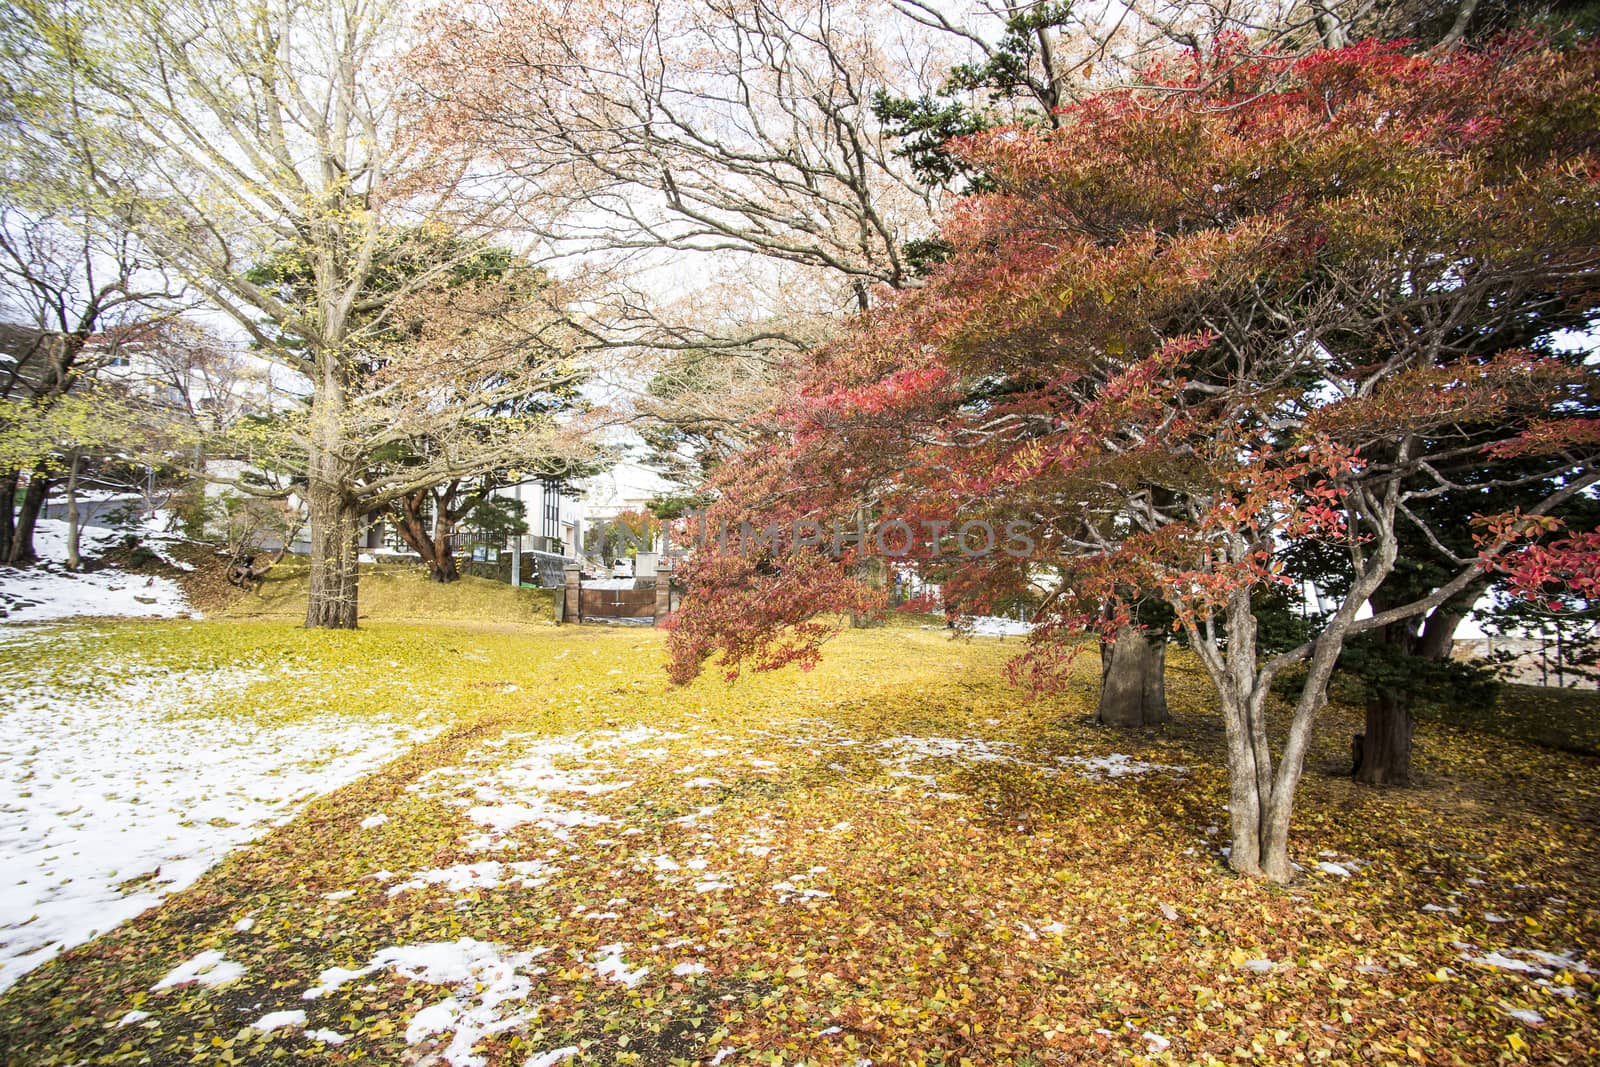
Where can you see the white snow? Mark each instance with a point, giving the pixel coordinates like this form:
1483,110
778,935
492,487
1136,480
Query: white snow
327,1037
133,1017
1116,765
550,1059
463,876
48,591
372,822
609,964
210,968
684,970
994,626
118,794
1338,870
521,791
1537,962
971,749
909,751
489,985
279,1020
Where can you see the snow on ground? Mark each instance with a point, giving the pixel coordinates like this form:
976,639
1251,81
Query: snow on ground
995,626
48,591
906,752
1116,765
521,791
609,583
209,969
490,989
109,802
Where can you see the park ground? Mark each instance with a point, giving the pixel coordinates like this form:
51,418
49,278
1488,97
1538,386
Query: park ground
484,839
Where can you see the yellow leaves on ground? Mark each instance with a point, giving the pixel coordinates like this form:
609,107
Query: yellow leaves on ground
893,858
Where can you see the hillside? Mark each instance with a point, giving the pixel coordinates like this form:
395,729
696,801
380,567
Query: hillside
396,592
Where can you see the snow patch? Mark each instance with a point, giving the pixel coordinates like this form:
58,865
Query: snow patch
115,794
280,1020
520,792
550,1059
488,986
1116,765
609,964
210,968
994,626
465,876
48,591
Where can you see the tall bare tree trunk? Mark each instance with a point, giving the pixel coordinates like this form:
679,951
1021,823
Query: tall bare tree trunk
1261,794
445,570
335,514
73,561
1133,686
335,524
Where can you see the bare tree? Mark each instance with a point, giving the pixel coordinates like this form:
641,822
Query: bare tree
253,131
740,128
66,280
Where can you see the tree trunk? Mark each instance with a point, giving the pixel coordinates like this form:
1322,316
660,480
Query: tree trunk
1260,800
1133,687
73,562
1257,817
32,504
1386,745
8,514
335,524
444,569
335,513
432,544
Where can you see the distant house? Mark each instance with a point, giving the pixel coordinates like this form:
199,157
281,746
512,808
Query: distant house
555,524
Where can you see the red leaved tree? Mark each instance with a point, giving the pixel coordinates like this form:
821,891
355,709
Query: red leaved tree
1244,306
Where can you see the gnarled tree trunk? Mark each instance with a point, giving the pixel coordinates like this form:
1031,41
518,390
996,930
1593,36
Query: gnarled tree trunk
1133,687
433,541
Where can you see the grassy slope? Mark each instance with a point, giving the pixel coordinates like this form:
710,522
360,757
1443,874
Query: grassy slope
1560,718
398,592
999,915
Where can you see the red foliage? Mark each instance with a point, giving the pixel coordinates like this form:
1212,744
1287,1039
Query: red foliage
1201,319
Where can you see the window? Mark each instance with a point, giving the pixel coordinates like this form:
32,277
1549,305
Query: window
552,510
